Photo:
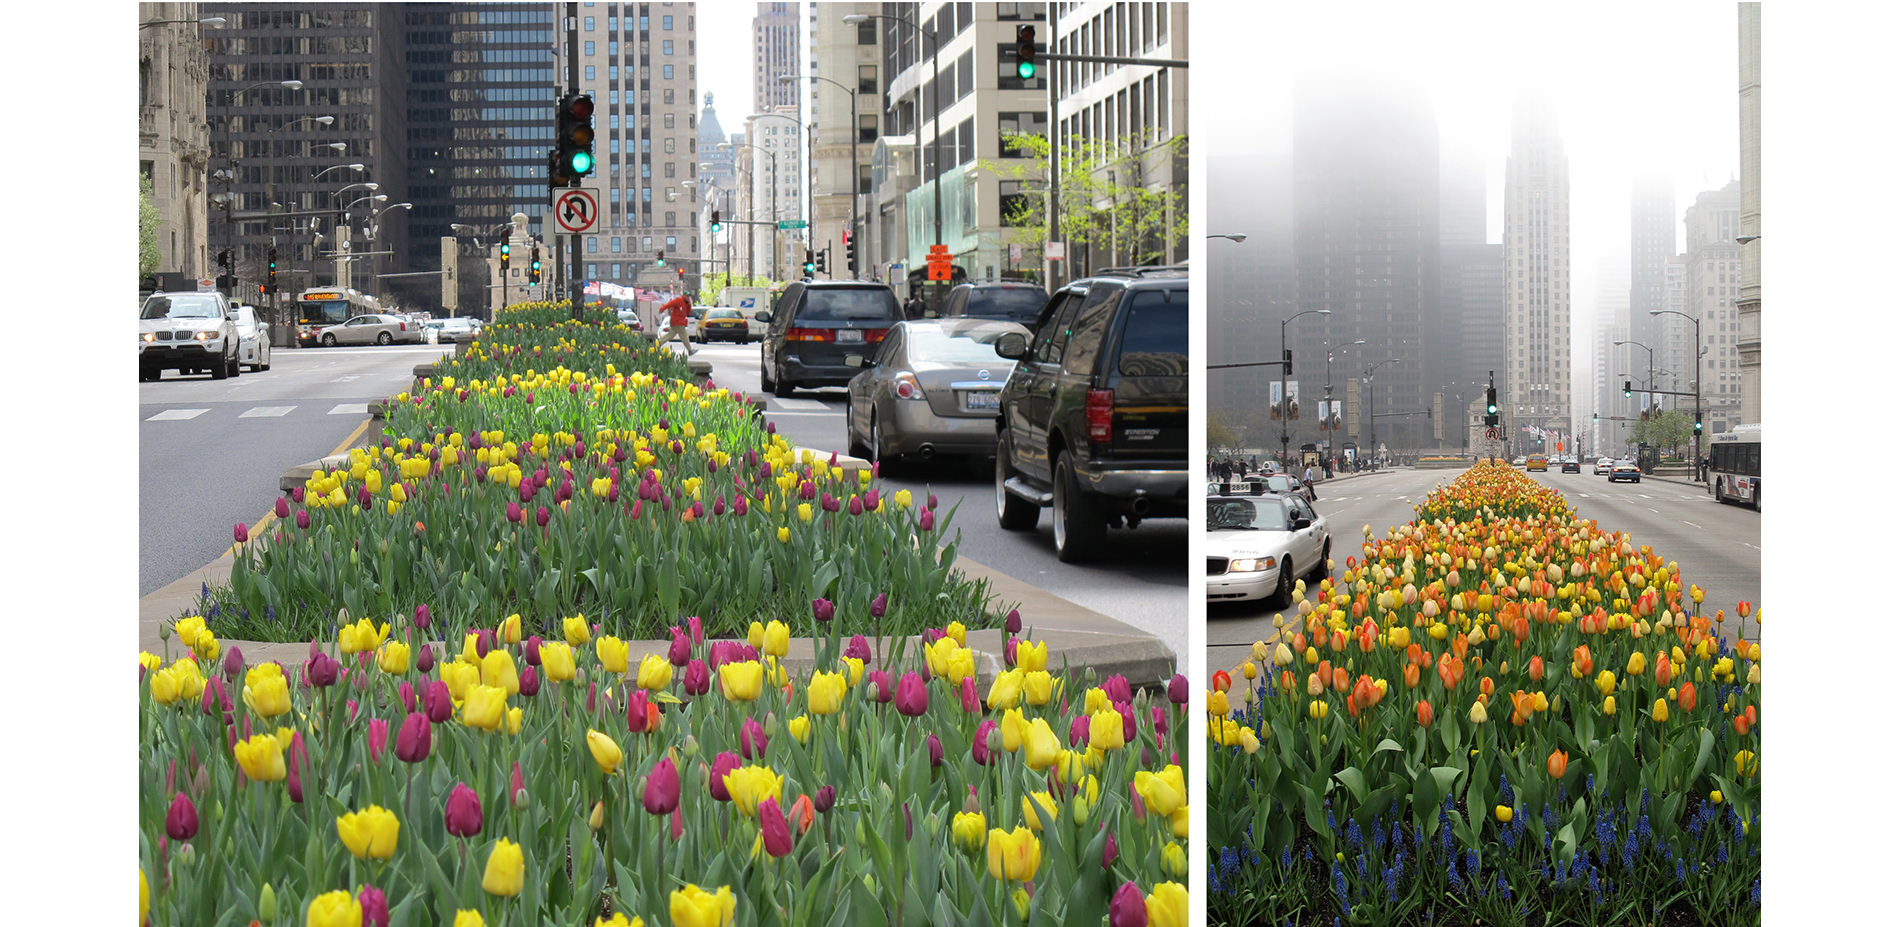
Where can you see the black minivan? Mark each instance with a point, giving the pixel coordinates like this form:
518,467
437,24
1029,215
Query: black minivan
815,323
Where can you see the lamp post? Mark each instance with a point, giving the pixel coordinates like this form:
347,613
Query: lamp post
1232,236
853,94
375,225
230,162
773,155
1332,443
207,21
1649,383
1283,365
1372,421
1695,384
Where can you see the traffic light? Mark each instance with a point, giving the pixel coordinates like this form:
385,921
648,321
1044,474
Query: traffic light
534,265
715,222
1491,406
504,261
822,268
1626,389
272,271
1286,361
809,265
261,290
659,258
224,259
1026,52
574,140
1698,426
850,255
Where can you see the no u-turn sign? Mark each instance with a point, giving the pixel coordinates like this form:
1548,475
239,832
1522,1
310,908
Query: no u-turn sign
576,210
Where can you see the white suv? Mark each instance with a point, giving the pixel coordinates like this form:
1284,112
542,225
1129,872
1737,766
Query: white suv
187,332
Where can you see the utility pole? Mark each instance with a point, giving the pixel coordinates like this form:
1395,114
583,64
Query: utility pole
574,284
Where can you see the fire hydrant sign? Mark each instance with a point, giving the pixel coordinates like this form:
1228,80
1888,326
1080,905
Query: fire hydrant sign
575,210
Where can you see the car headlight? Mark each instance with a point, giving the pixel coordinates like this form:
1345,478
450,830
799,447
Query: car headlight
1250,565
148,337
205,336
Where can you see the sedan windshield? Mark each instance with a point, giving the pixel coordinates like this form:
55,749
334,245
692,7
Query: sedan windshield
183,306
1245,514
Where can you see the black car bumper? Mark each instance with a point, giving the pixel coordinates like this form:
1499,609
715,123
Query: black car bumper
177,357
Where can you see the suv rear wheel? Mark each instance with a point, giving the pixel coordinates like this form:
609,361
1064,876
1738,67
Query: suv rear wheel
1012,513
1080,527
781,388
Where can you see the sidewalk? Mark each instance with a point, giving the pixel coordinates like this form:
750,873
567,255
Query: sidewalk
1076,636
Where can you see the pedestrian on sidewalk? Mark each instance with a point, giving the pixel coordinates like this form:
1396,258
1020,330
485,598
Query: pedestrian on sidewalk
679,309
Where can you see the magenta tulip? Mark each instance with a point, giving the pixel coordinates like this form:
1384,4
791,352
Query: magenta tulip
980,744
1013,622
1009,653
375,906
858,648
322,671
240,533
698,679
1117,688
1110,850
637,712
680,650
1079,731
282,508
1160,717
722,764
928,521
531,650
422,617
822,609
1128,908
412,740
294,780
463,814
879,603
529,681
936,750
181,820
303,518
696,627
752,739
425,661
663,788
437,701
773,826
824,798
1128,721
233,662
517,788
1178,689
406,692
913,696
378,738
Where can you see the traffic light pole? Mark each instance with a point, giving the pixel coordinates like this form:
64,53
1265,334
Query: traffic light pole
575,287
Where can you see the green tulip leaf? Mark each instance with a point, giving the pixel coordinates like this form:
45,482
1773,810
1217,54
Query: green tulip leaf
1355,782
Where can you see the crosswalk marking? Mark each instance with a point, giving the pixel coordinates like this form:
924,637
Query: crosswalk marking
267,412
350,408
177,415
801,405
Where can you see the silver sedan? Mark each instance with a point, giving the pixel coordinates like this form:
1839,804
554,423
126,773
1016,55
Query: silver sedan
371,329
931,388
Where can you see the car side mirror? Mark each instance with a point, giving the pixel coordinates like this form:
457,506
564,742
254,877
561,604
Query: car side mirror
1301,521
1012,345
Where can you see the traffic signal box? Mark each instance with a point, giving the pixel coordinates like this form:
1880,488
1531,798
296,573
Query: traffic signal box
810,266
1026,52
270,285
1491,406
534,265
573,155
715,222
850,255
823,264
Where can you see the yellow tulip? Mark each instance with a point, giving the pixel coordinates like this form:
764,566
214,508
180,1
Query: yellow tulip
778,638
742,681
1040,745
1030,815
557,661
459,676
1168,905
1478,715
968,829
1745,764
784,535
334,909
606,751
612,652
506,869
468,918
1038,686
1032,657
1217,703
369,833
261,757
1609,705
1014,855
749,785
693,906
799,728
1105,730
1502,813
1660,711
267,693
825,694
1164,792
1317,710
362,637
1174,860
145,897
484,706
1006,690
188,628
393,658
577,632
1606,682
655,673
498,670
510,630
1637,664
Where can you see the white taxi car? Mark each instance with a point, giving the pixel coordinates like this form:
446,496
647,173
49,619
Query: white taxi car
1258,545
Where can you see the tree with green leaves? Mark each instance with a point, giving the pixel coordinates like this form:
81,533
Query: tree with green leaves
148,228
1669,430
1104,206
711,285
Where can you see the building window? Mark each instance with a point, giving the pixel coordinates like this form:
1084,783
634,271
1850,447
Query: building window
666,72
1035,123
867,78
867,32
593,245
666,23
589,69
615,242
587,24
867,127
672,241
667,121
666,47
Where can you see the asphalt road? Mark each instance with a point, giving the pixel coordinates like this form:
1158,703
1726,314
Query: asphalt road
1715,546
211,451
1142,581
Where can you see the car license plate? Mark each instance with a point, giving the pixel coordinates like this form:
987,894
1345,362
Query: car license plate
850,336
975,401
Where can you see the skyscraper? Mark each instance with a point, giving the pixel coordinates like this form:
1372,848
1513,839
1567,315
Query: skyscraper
1537,391
774,52
1653,227
1748,300
1711,288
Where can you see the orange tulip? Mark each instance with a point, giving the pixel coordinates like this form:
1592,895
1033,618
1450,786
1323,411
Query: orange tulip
1537,669
1341,680
802,813
1558,762
1662,668
1415,654
1686,696
1487,685
1222,681
1424,713
1411,675
1326,669
1743,609
1580,662
1338,641
1750,712
1741,724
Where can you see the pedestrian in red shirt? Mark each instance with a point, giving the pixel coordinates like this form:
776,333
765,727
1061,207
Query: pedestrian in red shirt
679,310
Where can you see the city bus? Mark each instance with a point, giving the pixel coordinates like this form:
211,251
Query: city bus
1735,466
320,306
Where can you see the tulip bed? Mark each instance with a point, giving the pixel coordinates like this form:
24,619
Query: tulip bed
565,782
559,467
1501,714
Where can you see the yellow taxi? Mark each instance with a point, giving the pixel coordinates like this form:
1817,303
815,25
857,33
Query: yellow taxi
722,324
1537,462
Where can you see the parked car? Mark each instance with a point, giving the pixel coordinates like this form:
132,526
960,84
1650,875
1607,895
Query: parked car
376,328
815,324
631,319
1625,470
1572,466
458,329
722,324
931,388
1003,300
1603,466
1517,461
1258,545
1094,420
189,333
253,336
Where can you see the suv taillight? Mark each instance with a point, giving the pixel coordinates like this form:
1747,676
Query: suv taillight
808,334
1099,412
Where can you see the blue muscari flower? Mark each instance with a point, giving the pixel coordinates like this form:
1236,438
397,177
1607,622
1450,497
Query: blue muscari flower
1339,888
1504,886
270,613
1562,796
1736,830
1596,888
246,613
1680,876
1471,863
1576,865
1229,862
1629,852
213,613
1721,853
1286,858
1754,894
204,590
1645,800
1451,870
1590,782
1353,838
1695,826
1448,803
1550,816
1504,789
1331,824
1378,835
1642,828
1445,836
1546,840
1213,882
1392,885
1543,870
1396,837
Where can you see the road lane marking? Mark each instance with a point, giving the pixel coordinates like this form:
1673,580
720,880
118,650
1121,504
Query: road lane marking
775,414
801,405
1652,511
267,412
350,408
1693,525
177,415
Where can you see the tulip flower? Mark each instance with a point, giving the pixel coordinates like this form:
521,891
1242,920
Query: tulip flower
1014,855
607,754
752,739
913,697
576,631
1168,905
1660,711
1558,762
980,744
506,869
822,609
1162,793
742,681
1686,697
773,829
462,815
370,833
485,705
181,819
266,691
1128,907
1745,764
334,909
261,757
468,918
375,906
716,782
1502,813
1424,712
693,906
612,652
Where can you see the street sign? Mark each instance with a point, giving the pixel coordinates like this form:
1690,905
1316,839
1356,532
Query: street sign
791,223
576,209
1490,434
207,285
1055,251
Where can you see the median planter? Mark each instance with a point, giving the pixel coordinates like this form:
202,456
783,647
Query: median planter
1500,714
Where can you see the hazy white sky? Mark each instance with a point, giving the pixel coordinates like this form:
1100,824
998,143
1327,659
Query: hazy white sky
725,59
1634,88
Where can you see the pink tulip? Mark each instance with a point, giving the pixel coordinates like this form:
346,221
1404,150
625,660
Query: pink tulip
752,739
463,813
696,628
680,650
437,701
303,518
1110,850
698,679
663,788
936,750
1128,908
425,661
967,689
878,604
422,616
928,521
637,712
1079,731
181,820
282,508
240,533
722,764
913,697
517,788
531,650
822,609
1013,622
1128,721
296,495
858,648
294,781
375,906
233,662
881,687
412,740
1009,653
980,745
1178,689
773,826
406,692
378,738
1117,689
1160,718
530,681
824,799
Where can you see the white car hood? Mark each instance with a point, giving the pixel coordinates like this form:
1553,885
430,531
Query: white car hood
183,324
1239,544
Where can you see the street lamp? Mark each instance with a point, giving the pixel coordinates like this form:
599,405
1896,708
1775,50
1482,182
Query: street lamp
1232,236
1332,442
375,225
1696,384
853,94
213,21
1649,383
1283,365
1372,420
337,167
231,162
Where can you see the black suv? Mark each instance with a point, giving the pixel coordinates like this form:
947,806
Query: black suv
815,323
1004,301
1094,419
